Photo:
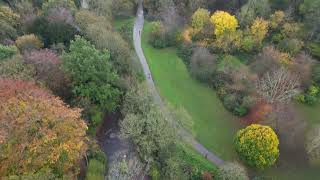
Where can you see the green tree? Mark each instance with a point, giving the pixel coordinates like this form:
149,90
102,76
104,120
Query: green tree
91,73
200,18
253,9
232,171
257,145
311,14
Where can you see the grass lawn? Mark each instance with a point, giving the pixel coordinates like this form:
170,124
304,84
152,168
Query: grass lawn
311,113
214,126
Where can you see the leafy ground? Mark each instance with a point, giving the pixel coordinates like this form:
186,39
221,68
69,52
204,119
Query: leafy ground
214,126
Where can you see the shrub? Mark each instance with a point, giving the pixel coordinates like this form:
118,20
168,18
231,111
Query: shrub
15,69
291,46
316,73
314,48
7,31
8,16
126,31
157,35
202,64
257,145
185,51
96,170
7,51
232,171
313,145
28,42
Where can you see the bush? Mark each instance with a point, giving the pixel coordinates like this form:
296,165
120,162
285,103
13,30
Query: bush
28,42
96,170
15,69
126,31
7,51
313,146
232,171
257,145
314,48
202,65
316,74
291,46
7,31
185,51
157,35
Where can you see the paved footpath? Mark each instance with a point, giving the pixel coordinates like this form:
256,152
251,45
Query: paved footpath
137,31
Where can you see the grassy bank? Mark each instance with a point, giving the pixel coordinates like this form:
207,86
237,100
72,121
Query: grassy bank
214,126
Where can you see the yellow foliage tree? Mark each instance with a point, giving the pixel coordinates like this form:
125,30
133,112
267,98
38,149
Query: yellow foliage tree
257,145
223,22
259,29
276,19
199,19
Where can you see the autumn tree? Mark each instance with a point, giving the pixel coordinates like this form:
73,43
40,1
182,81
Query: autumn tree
257,145
278,86
38,131
8,23
276,19
223,22
200,18
47,66
91,74
259,30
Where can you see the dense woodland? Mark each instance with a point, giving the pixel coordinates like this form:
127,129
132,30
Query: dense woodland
66,69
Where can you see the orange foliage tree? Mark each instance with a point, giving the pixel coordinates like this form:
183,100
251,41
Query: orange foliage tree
38,131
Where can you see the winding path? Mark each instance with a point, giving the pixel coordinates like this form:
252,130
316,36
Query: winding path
137,31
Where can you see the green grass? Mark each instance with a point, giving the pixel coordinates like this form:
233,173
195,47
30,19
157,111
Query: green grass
214,126
188,155
96,170
118,23
310,113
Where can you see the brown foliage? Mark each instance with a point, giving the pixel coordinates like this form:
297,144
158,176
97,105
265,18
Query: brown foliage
47,66
257,113
38,130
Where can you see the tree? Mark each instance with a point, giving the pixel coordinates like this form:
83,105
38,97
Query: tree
310,11
259,30
47,67
38,131
200,18
202,64
257,145
276,19
28,42
313,145
223,22
253,9
91,74
232,171
278,86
